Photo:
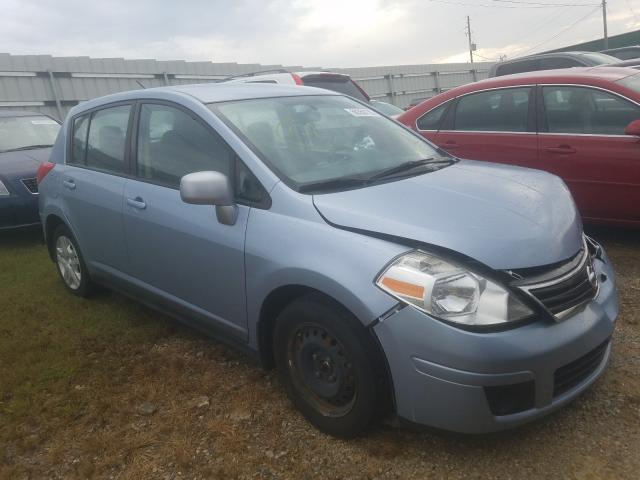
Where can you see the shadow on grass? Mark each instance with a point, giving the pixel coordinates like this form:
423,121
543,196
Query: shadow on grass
23,237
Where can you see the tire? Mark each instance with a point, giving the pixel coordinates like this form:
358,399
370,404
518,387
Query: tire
70,263
329,366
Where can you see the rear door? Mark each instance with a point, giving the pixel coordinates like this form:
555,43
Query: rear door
179,252
495,125
582,140
93,181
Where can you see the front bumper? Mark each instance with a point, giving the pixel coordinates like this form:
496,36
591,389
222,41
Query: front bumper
450,378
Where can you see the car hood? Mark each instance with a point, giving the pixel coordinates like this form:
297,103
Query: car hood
505,217
23,163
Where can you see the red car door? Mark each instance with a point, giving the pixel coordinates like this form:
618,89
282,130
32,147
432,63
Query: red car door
496,125
582,140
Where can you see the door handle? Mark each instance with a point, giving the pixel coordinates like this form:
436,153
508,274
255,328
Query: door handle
450,144
562,149
70,184
136,203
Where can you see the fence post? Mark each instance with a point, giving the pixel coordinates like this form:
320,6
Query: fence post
54,89
473,74
436,81
392,91
166,78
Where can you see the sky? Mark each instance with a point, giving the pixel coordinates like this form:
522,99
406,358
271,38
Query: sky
322,33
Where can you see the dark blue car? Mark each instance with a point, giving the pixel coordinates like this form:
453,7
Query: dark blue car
25,141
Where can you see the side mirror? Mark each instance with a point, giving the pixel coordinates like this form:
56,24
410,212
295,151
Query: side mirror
633,128
210,188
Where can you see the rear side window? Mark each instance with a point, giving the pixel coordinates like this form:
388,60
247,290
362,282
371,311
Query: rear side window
556,62
518,67
585,110
504,110
432,120
107,139
171,144
79,141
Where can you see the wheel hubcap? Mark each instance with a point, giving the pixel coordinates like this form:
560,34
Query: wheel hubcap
68,262
322,370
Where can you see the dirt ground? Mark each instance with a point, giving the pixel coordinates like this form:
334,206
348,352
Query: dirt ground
105,388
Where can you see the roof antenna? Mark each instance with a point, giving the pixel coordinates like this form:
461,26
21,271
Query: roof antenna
140,83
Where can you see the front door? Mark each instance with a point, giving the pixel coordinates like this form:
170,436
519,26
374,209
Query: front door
178,251
582,140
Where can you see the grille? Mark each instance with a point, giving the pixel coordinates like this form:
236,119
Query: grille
31,184
576,372
570,291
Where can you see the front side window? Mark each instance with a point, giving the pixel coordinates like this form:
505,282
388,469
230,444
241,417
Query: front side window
106,142
432,120
504,110
171,144
583,110
26,132
314,139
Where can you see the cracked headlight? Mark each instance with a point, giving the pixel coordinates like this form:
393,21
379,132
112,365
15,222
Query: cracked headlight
450,292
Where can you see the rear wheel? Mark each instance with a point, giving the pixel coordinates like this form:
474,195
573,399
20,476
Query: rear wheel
329,366
70,263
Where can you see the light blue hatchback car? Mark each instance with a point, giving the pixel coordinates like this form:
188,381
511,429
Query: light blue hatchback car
376,272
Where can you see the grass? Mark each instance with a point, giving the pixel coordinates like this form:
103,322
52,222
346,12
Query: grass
74,373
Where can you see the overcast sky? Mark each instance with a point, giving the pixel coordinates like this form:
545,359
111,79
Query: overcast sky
328,33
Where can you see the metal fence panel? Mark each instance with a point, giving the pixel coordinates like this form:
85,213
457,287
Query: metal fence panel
53,85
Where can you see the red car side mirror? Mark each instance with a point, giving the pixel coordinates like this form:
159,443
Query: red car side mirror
633,128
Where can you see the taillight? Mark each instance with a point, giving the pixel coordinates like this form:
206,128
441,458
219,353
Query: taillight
43,169
297,79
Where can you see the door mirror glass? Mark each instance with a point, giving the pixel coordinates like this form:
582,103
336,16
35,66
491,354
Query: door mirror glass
210,188
633,128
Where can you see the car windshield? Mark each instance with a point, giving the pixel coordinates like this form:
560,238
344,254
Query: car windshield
24,132
632,82
311,140
337,83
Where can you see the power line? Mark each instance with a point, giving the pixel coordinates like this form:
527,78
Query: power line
564,30
484,5
548,4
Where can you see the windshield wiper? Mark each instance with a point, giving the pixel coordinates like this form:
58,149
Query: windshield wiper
407,166
344,182
26,147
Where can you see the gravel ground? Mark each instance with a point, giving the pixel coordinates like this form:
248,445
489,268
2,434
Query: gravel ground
182,406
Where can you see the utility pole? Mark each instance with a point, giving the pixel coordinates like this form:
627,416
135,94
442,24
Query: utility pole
604,21
472,47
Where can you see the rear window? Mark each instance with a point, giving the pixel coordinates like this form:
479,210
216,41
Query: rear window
337,83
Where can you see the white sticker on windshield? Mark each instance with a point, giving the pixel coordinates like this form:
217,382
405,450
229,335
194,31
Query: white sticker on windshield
45,121
362,112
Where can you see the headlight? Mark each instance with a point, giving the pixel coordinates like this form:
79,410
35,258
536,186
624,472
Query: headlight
3,190
450,292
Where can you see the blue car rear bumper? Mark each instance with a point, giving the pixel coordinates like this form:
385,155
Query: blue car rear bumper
18,211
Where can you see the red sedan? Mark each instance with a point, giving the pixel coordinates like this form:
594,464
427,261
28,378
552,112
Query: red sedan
583,124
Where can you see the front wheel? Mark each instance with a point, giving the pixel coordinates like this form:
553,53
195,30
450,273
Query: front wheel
329,366
70,263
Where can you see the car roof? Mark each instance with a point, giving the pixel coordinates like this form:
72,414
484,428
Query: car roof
565,75
208,93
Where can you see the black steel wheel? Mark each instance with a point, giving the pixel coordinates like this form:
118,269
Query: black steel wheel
330,366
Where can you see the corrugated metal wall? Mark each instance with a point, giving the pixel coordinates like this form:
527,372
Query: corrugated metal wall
53,85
